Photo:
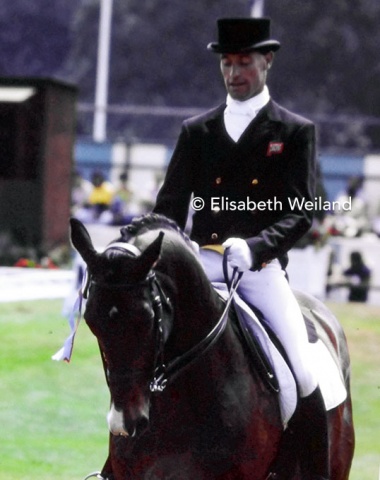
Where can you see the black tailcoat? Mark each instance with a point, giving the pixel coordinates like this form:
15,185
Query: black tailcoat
273,163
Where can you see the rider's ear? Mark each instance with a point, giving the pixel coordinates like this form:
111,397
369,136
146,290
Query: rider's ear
269,56
81,240
149,257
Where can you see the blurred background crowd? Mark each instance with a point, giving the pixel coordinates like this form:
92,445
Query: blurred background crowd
158,72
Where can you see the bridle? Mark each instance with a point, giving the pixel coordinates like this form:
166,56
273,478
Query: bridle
166,373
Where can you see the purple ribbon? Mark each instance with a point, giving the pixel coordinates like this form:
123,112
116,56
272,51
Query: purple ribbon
64,354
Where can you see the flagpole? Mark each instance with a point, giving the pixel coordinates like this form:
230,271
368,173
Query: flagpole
257,9
102,71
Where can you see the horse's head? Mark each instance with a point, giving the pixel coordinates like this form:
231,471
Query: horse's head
122,312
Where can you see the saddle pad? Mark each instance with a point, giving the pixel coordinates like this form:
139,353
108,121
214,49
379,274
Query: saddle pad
328,374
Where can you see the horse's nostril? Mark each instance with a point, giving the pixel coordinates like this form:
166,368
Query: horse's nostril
137,427
131,430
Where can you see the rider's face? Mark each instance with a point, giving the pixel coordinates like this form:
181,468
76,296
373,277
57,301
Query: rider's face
245,74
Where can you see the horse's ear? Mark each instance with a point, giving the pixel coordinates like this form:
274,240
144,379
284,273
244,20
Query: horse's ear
81,240
150,255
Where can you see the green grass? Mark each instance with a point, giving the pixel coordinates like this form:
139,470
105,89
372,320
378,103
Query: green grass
52,415
362,327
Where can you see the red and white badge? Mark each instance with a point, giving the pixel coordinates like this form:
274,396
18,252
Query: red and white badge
274,148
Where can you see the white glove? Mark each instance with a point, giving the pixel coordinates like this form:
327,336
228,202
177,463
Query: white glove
238,254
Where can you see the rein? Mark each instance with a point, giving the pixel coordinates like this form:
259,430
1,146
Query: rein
164,374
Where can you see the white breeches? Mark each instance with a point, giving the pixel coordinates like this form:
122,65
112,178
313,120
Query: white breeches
269,291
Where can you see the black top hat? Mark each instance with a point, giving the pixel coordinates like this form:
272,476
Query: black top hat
238,35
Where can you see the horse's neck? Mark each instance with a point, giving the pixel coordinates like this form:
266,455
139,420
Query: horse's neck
197,306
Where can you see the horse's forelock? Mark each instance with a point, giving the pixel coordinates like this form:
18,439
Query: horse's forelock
115,262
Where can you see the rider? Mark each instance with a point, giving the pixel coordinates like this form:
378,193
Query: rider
250,166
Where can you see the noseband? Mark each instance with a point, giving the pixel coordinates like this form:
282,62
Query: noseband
167,373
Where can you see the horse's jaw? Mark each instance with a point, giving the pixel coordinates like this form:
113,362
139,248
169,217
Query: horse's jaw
119,426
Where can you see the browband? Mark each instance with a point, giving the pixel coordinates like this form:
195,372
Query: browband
125,246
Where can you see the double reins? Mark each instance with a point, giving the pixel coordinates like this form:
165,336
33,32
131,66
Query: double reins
165,374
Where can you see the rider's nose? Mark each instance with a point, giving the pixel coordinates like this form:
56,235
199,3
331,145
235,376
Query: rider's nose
234,71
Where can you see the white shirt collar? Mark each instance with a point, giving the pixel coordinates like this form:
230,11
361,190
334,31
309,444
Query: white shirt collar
249,107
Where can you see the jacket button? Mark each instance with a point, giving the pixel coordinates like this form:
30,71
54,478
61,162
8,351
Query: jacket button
214,236
218,180
255,181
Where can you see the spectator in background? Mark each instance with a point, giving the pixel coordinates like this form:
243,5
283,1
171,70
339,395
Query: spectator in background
101,196
359,276
97,207
122,202
352,222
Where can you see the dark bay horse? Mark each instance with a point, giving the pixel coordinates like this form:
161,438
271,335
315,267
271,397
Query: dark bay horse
186,401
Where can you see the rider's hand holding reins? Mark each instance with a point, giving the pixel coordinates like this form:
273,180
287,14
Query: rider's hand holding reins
238,254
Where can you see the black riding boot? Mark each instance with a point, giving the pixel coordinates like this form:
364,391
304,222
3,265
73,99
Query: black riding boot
314,436
305,441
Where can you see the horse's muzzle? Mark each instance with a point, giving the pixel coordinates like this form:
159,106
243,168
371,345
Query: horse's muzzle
131,427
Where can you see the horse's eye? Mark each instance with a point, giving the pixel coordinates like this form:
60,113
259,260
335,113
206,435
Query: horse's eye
113,313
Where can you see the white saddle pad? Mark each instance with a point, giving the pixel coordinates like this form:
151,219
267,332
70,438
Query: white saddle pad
329,375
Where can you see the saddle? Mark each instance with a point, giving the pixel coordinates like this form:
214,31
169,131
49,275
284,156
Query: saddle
254,348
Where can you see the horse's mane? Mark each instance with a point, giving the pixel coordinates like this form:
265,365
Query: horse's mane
152,221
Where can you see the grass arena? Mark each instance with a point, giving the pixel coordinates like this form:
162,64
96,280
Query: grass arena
52,415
